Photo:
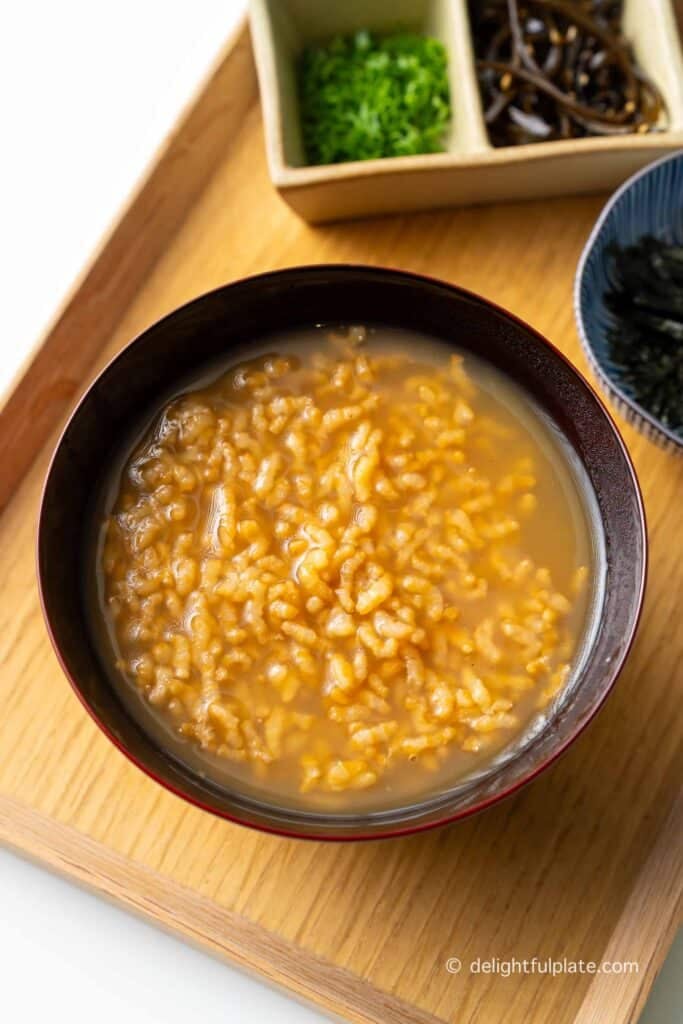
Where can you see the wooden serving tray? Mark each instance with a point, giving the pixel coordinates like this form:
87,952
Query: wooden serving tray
585,864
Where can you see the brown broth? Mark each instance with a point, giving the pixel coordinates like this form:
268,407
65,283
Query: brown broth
553,532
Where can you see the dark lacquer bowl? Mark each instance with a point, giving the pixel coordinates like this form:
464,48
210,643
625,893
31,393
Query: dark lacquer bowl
207,328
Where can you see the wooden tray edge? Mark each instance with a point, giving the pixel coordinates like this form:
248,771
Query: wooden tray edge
640,934
51,374
193,918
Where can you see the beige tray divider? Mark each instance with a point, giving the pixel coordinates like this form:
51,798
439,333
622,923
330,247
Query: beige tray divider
647,23
470,131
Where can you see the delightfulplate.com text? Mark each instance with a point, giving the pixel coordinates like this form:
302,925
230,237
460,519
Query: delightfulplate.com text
506,968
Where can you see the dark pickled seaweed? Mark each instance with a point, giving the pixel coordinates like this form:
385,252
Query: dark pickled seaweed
557,69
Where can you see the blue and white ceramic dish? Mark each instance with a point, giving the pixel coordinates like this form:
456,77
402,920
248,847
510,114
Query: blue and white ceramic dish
651,202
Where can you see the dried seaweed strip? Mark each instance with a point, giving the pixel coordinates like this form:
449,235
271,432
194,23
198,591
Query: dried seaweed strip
552,69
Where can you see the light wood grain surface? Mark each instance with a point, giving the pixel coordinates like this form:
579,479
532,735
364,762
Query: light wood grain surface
584,862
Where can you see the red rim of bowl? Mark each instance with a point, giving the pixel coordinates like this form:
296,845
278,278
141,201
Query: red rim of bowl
408,829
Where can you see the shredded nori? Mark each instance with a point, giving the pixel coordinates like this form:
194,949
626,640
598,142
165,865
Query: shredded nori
646,342
365,96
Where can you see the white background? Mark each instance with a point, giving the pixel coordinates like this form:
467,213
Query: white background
87,92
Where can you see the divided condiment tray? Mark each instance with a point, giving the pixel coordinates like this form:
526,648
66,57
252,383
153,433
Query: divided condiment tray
471,170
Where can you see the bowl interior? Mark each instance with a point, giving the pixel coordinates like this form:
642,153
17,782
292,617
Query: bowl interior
229,317
651,203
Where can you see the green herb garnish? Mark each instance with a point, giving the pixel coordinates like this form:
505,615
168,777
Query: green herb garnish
646,342
366,96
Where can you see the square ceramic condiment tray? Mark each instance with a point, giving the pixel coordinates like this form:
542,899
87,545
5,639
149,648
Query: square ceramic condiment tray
471,170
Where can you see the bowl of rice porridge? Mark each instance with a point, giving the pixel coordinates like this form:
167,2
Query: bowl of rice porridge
341,552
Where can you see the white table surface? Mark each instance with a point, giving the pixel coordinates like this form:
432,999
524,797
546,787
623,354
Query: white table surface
87,92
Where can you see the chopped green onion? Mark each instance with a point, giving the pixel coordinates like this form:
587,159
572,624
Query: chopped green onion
366,96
